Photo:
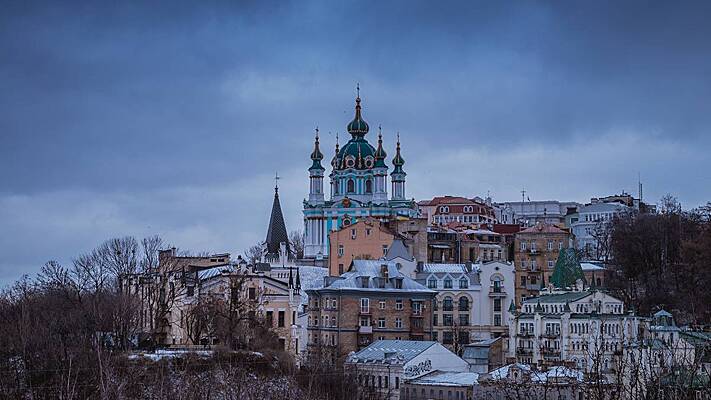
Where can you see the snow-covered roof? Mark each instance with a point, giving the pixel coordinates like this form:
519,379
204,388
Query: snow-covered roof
371,270
441,378
215,271
311,278
537,376
601,207
444,268
402,350
586,266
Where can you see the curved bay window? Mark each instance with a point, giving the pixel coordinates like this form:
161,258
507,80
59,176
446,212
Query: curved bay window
350,187
447,304
463,304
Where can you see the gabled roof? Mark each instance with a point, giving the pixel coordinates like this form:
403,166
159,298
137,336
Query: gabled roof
371,271
404,350
397,249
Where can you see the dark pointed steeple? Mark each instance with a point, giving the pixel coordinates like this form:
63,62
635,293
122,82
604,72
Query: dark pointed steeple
398,161
316,155
291,278
298,278
380,152
276,234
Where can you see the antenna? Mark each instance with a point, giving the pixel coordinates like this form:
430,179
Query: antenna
523,195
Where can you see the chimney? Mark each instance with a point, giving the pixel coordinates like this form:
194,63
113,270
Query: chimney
468,266
420,266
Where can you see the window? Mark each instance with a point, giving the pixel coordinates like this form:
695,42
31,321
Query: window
463,304
280,322
432,283
550,264
398,304
523,280
463,319
463,337
270,318
340,250
385,249
398,322
353,234
560,245
448,320
435,320
523,246
367,232
447,305
365,305
381,322
434,336
340,269
447,338
350,186
463,283
497,305
416,308
252,293
447,283
191,291
369,186
550,245
364,321
381,304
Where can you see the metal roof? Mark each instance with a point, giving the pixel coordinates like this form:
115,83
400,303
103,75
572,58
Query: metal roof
402,350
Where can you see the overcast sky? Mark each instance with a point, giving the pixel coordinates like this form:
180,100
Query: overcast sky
130,119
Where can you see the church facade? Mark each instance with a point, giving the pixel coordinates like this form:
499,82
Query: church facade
358,187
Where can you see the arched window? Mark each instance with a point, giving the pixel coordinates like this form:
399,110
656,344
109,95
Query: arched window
447,306
463,283
369,186
351,186
463,304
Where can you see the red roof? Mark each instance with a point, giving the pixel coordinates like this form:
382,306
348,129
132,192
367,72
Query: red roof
506,228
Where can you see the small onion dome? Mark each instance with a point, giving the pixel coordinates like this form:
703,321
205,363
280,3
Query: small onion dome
358,127
380,154
398,161
316,156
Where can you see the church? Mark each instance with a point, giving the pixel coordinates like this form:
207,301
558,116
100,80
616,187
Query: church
359,187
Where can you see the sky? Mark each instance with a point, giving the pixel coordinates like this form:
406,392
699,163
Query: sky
170,118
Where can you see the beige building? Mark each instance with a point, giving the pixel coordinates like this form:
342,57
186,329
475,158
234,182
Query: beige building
535,254
372,301
367,239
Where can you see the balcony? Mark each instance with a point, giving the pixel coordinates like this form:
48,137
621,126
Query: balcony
550,352
525,334
551,335
524,351
365,330
496,291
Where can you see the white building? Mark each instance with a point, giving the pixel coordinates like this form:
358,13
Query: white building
472,300
382,367
529,213
578,326
588,227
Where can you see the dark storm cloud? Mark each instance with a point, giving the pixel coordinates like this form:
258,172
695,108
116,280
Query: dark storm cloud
171,117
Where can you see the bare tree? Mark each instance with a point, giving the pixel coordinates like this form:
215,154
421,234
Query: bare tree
254,253
296,240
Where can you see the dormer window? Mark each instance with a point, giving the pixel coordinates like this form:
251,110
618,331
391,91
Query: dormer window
398,283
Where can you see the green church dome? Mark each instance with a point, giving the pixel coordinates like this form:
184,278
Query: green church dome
357,154
358,127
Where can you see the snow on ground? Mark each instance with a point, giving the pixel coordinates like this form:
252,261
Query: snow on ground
163,354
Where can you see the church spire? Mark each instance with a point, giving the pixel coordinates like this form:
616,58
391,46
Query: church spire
316,155
380,152
276,233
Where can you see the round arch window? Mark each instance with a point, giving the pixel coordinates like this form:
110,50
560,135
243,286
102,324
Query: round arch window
350,162
369,186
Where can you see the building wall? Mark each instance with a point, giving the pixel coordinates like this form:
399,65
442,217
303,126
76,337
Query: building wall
354,329
535,260
414,230
366,239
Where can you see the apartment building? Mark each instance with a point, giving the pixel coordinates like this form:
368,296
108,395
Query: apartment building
373,300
